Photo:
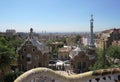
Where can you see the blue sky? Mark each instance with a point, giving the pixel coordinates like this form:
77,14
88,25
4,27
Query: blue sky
58,15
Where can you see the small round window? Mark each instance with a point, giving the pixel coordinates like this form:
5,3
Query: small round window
24,49
33,49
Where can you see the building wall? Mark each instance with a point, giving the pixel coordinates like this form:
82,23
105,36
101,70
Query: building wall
110,37
85,40
10,32
30,57
63,56
81,60
47,75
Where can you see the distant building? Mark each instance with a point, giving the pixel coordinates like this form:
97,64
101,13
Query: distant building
69,41
32,54
114,36
111,37
63,53
85,40
2,34
54,47
22,35
116,43
10,32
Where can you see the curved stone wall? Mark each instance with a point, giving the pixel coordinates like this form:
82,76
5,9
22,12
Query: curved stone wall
103,75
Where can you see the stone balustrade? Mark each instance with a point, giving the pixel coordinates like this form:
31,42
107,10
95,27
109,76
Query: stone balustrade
48,75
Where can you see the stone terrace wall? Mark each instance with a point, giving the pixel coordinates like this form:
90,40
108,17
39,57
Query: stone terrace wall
48,75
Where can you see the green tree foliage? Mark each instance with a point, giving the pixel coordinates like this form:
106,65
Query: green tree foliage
55,47
113,53
7,55
76,38
14,42
99,64
7,52
11,76
3,41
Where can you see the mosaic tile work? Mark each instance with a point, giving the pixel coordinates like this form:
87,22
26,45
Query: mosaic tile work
48,75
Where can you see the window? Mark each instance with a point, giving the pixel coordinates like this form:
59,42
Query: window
33,49
34,66
38,57
21,66
61,57
22,57
28,58
20,52
65,56
28,43
39,64
24,49
79,65
84,64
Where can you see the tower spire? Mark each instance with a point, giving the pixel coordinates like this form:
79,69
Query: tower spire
91,45
31,33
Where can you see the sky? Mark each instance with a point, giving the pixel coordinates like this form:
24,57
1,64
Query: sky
59,15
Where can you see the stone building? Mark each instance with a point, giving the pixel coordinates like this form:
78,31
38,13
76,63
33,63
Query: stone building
63,53
32,54
10,32
110,37
114,36
80,60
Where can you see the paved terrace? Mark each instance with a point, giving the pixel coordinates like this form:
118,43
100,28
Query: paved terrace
48,75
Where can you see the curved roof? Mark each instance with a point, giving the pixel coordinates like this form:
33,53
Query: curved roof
32,40
76,51
40,46
37,44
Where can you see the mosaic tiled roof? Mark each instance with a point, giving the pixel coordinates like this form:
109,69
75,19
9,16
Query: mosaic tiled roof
33,40
76,51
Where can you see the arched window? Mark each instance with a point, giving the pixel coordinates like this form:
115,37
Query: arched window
24,49
22,57
33,49
29,56
84,65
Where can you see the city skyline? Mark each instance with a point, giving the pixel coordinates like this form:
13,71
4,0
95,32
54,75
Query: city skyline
59,15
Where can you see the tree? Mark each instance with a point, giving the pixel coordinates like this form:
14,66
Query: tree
11,76
76,38
113,53
7,55
99,64
14,41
